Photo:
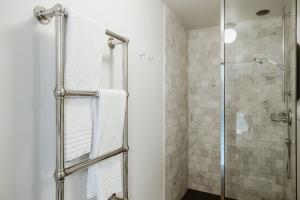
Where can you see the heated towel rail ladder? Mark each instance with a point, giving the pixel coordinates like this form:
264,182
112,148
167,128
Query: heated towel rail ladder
59,12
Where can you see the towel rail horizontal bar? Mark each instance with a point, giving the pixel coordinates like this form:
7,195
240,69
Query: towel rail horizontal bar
75,93
79,93
117,36
86,164
117,198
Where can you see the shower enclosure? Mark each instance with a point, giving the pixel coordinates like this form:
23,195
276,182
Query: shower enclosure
258,115
230,112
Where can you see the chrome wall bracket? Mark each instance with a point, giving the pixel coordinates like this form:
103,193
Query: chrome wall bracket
45,16
112,42
38,12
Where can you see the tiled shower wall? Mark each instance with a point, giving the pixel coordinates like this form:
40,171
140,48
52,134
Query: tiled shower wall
176,105
204,110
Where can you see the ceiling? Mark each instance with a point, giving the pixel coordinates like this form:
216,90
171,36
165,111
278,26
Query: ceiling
196,14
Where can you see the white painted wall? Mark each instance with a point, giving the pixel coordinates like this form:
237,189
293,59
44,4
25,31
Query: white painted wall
27,136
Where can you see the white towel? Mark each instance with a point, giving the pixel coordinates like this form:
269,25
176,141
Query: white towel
105,178
84,48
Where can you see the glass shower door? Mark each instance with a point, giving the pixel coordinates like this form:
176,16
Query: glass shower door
259,99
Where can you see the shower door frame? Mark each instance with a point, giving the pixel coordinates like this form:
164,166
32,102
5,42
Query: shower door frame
223,90
222,106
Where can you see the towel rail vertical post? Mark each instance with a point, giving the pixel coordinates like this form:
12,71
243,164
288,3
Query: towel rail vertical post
59,93
125,133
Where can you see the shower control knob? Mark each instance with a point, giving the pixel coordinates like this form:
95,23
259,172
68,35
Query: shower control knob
288,141
285,117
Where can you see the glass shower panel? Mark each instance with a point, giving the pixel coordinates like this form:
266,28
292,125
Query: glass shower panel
260,99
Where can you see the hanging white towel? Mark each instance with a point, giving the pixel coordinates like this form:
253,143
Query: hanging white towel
84,47
105,178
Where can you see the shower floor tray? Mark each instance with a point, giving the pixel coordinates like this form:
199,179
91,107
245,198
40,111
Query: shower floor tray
197,195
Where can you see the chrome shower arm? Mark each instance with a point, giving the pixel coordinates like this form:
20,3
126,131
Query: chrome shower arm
262,59
276,64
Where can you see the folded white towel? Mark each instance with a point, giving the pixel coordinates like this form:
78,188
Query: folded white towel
105,178
84,48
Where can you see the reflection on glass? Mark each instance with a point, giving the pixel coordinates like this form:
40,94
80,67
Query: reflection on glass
260,165
241,123
230,35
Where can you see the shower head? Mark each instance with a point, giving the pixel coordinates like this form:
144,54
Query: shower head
262,59
259,60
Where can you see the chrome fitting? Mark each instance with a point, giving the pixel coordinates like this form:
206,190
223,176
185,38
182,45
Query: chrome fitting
58,9
111,43
40,13
60,175
60,93
45,16
285,117
126,148
288,141
289,93
126,40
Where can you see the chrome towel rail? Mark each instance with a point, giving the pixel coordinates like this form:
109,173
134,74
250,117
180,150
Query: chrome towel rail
59,12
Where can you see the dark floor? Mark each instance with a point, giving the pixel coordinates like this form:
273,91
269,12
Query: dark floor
196,195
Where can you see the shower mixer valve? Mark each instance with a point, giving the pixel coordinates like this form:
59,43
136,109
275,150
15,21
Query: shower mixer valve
285,117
